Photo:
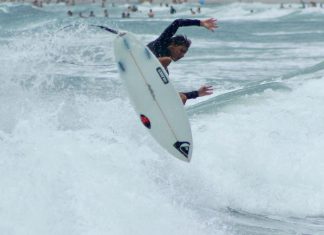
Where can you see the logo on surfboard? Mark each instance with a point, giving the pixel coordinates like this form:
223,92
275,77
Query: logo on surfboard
162,75
146,122
183,147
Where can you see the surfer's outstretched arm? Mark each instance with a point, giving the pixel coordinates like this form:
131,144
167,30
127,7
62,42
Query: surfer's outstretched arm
210,24
159,46
202,91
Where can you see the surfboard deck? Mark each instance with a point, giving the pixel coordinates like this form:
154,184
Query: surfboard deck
154,98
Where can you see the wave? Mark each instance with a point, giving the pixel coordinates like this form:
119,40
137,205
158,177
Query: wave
259,11
68,133
309,70
17,9
215,103
270,224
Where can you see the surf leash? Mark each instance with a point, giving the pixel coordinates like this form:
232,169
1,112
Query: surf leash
114,31
105,28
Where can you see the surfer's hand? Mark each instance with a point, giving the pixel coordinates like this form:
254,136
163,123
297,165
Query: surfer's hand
210,24
205,90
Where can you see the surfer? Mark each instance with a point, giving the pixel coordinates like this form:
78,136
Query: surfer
168,48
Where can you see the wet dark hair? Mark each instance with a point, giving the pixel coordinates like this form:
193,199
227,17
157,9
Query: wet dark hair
180,40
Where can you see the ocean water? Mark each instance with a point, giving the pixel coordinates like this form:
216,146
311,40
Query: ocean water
74,159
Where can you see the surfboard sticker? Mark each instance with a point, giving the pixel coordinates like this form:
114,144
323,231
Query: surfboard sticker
121,66
146,121
183,147
126,44
163,77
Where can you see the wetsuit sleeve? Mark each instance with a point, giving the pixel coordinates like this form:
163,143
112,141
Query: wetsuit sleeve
172,28
191,95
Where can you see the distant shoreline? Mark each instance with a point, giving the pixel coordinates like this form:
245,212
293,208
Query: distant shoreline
262,1
189,1
255,1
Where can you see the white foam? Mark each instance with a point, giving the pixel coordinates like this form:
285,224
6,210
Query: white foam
265,156
75,160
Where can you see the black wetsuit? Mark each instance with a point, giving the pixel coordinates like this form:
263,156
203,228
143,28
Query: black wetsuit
159,47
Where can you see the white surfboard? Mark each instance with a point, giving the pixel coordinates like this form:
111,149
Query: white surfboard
156,102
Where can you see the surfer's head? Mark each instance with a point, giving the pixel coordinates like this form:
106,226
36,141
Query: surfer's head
180,40
179,46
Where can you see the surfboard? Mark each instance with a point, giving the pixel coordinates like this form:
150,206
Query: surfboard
156,102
